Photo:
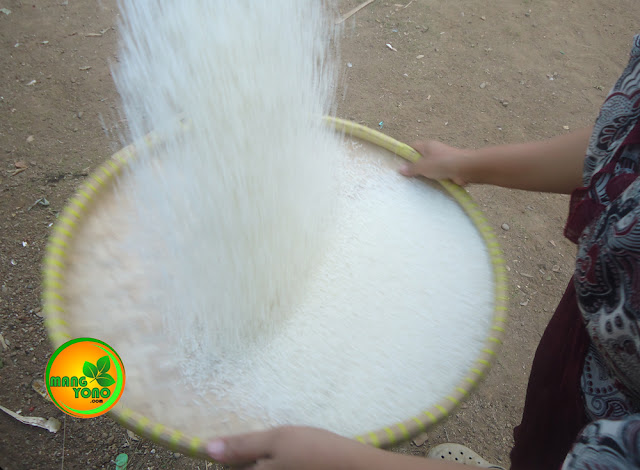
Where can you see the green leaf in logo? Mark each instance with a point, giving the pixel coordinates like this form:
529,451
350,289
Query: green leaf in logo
89,370
105,380
103,365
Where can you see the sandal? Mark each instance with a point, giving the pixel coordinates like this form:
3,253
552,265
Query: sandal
461,454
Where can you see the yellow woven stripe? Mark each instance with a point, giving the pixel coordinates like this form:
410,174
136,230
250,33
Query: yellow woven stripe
420,425
489,351
73,212
497,328
68,221
52,295
97,179
501,319
194,445
471,381
477,371
85,194
50,272
62,230
55,322
495,340
56,308
502,308
403,429
126,414
55,250
374,439
174,439
58,241
51,284
390,435
462,390
59,337
484,362
51,260
442,410
360,439
156,431
453,400
431,416
77,202
142,424
113,165
106,171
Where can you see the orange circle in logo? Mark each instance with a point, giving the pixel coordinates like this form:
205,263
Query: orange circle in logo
85,377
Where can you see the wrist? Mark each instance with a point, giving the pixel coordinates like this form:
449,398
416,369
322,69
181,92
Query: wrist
463,167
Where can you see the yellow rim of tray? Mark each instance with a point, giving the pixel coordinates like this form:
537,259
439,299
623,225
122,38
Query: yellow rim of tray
79,205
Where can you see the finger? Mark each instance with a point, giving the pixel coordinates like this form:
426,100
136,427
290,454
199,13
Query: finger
241,449
408,169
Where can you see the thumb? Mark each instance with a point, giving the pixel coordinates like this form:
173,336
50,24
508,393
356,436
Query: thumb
408,169
241,449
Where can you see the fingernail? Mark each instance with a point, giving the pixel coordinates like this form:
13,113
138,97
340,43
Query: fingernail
216,449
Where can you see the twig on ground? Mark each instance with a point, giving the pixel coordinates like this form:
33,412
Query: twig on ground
349,14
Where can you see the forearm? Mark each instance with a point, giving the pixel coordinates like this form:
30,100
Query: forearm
553,165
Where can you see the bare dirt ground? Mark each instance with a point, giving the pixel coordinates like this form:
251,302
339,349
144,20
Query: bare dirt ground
469,73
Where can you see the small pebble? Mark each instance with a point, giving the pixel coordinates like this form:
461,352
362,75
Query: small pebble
177,455
505,227
80,114
30,139
419,56
483,85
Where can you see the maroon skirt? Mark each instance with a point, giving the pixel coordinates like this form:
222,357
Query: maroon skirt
554,410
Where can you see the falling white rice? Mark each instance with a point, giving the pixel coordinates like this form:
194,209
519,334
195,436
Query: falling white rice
255,269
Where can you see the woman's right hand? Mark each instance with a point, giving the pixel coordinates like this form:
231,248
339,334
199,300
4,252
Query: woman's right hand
439,162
